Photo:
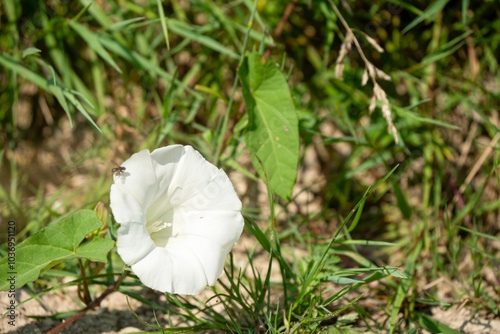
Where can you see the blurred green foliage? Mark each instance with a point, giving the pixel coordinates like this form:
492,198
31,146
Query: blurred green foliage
105,66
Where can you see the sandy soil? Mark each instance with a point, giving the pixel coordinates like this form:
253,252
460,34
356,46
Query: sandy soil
114,316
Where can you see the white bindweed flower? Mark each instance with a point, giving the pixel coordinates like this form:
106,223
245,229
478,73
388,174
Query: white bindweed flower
179,216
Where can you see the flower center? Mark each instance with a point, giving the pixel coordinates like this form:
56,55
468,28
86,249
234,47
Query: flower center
160,221
157,226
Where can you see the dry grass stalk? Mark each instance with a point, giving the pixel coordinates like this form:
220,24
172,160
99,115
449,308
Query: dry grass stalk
370,72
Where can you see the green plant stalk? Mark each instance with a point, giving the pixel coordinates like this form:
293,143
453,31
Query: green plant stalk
404,285
86,294
113,287
319,265
223,128
427,177
163,21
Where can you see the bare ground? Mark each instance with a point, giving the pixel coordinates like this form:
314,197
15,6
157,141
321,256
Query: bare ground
114,316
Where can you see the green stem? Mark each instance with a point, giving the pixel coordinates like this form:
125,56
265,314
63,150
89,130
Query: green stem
113,287
223,127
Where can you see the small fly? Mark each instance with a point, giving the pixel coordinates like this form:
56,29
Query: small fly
118,170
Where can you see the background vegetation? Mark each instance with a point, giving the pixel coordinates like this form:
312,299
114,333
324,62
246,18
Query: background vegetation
85,84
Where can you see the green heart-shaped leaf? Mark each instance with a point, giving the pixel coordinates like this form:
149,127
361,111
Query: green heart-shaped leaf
61,241
272,133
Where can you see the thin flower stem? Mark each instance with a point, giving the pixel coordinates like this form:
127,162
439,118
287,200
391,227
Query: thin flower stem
279,29
86,294
355,40
98,269
379,93
222,138
113,287
349,30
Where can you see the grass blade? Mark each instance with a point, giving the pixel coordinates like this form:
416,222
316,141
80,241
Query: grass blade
94,43
428,13
163,21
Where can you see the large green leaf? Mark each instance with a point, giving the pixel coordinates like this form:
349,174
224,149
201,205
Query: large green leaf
57,242
272,133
